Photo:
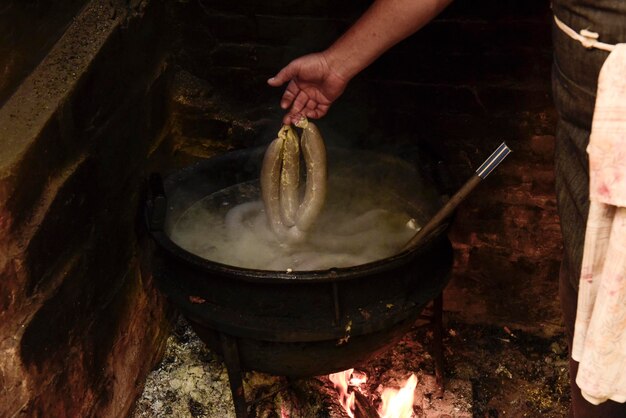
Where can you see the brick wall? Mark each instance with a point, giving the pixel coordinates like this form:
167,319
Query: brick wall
476,76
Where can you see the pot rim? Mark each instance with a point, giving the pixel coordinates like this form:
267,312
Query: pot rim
332,274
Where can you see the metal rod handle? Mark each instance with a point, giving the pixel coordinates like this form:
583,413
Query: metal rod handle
446,210
493,161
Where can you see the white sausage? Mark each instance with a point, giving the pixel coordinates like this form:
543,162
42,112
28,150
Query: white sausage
270,183
270,191
290,176
314,153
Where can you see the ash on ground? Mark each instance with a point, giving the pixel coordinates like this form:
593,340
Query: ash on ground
490,371
190,381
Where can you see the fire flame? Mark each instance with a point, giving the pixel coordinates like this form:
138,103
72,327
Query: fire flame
396,403
341,381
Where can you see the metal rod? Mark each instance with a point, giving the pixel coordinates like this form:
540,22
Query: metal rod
443,213
448,208
230,351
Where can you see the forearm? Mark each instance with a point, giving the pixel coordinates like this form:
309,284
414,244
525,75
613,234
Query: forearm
384,24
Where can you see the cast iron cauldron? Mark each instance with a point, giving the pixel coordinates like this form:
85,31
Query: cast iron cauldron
300,323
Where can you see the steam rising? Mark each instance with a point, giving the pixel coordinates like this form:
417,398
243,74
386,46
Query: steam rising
375,203
230,227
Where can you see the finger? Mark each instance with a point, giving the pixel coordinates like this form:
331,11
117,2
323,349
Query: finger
300,102
311,104
284,75
318,112
286,100
289,95
313,114
275,82
291,117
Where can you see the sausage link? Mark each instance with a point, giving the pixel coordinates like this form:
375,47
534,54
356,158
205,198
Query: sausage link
270,192
270,183
290,176
314,152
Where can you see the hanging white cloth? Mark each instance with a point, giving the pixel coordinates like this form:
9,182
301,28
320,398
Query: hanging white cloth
600,330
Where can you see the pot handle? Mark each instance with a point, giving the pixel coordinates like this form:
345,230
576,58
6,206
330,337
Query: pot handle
156,203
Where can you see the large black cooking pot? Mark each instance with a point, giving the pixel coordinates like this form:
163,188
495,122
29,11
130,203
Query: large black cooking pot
300,323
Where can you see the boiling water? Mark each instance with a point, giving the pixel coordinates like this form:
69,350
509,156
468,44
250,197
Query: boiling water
231,227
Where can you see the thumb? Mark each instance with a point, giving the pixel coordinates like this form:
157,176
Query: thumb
283,75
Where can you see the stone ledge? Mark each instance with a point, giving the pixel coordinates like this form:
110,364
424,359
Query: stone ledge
37,106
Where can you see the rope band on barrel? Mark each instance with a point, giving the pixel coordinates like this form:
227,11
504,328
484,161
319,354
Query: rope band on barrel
587,38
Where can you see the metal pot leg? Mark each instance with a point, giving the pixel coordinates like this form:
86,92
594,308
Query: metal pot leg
230,352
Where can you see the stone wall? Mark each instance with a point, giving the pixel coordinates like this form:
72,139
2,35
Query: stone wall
80,323
476,76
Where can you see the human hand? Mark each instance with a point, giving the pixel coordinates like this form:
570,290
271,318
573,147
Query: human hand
313,87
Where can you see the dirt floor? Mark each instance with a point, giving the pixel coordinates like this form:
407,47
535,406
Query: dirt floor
513,373
509,373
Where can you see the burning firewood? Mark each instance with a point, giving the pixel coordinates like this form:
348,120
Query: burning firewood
363,407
